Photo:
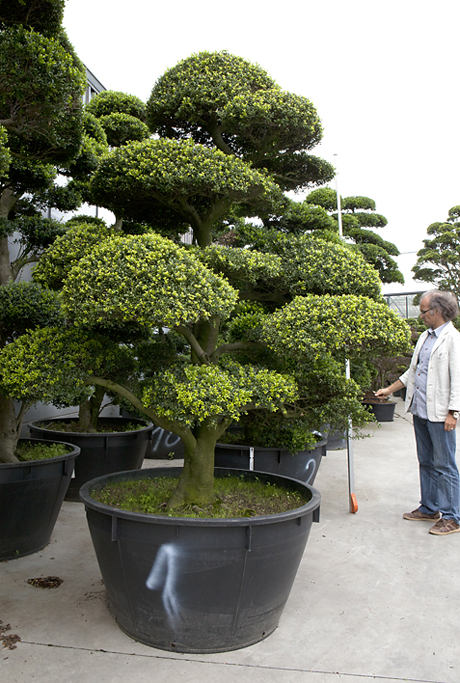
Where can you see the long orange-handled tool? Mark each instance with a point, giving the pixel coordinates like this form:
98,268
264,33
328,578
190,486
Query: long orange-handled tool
351,474
351,471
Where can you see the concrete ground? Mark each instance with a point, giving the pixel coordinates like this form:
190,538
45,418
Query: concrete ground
376,597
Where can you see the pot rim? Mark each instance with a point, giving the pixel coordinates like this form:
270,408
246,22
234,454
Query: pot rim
301,511
245,446
148,426
371,402
75,452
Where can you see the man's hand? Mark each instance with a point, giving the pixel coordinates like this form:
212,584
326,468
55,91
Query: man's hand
450,423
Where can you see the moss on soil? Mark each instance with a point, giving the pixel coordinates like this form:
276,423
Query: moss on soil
233,497
27,451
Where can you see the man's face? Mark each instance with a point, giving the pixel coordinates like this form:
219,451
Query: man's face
432,317
426,311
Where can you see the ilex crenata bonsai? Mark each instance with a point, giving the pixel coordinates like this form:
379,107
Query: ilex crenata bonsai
41,128
218,318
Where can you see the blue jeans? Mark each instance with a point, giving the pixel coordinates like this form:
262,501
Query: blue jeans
439,478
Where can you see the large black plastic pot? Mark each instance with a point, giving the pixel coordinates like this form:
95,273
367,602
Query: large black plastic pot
336,439
198,585
103,452
383,412
303,465
163,444
31,495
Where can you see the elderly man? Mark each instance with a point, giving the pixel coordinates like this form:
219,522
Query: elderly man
433,397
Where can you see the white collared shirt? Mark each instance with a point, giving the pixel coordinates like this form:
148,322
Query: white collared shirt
418,406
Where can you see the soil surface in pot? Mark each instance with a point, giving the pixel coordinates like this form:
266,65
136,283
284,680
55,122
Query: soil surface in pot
102,428
370,397
233,497
376,401
27,451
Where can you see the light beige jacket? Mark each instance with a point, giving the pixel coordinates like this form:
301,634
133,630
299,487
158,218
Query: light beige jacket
443,381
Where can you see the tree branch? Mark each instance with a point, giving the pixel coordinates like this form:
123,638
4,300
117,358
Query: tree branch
216,134
226,422
163,422
190,337
20,416
276,297
8,123
231,348
22,261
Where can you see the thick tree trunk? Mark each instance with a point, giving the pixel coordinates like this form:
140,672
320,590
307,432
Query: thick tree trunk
88,413
84,417
207,334
196,483
9,430
6,273
7,200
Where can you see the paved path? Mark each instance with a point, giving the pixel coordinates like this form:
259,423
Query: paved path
376,597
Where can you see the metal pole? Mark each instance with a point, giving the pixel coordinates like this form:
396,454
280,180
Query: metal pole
339,204
351,473
339,208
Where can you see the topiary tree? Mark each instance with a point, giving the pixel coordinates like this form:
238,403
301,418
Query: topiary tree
46,132
438,262
43,16
298,218
41,126
359,219
230,141
121,116
41,88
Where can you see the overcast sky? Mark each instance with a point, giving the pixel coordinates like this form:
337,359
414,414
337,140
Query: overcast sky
384,77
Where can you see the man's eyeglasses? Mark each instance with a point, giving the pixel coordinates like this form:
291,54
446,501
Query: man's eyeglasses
423,312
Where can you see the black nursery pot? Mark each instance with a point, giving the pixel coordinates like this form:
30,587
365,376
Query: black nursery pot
31,495
303,465
163,444
103,452
198,585
383,412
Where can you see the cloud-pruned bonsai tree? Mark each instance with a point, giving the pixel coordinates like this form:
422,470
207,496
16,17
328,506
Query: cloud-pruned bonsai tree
438,262
47,133
359,219
121,116
41,127
229,140
41,82
110,119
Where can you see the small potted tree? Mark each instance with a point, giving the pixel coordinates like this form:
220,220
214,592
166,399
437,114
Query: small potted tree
384,370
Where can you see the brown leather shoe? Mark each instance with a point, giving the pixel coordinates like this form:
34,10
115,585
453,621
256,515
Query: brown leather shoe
417,516
444,527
